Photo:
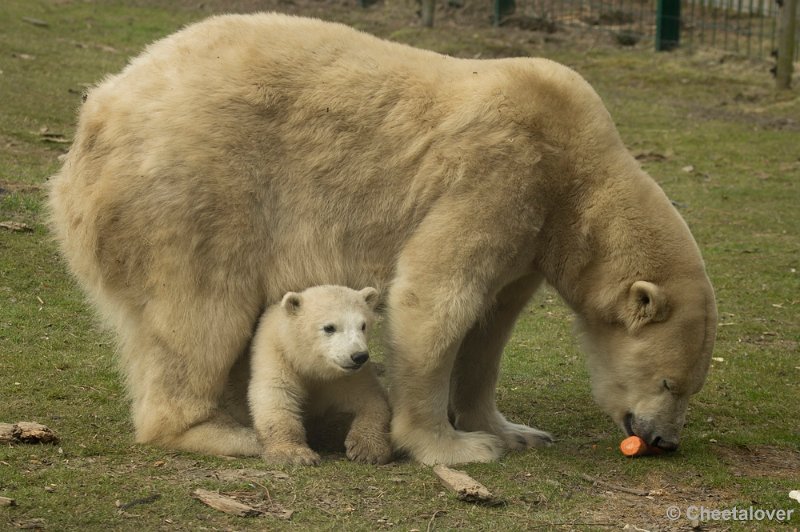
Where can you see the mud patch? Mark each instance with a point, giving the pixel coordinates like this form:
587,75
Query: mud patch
761,461
649,503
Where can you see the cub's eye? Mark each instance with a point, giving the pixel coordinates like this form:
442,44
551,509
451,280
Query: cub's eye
329,329
364,326
667,384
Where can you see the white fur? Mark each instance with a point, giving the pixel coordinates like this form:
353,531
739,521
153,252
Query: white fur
248,155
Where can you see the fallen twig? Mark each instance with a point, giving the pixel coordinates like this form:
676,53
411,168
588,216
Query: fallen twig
136,502
37,523
6,433
465,487
26,432
230,504
263,487
16,226
6,501
623,489
224,503
36,22
434,516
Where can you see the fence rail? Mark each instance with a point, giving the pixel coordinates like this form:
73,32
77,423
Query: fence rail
748,27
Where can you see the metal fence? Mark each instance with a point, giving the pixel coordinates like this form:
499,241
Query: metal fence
748,27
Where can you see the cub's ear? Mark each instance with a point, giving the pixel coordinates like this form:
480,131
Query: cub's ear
291,303
646,303
370,295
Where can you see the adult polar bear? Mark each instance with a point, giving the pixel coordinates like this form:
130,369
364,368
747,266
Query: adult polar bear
245,156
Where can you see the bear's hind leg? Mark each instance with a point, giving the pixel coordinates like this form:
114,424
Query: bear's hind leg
176,388
476,369
220,434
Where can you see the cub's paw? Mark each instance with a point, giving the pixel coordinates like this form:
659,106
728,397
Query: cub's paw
290,454
374,448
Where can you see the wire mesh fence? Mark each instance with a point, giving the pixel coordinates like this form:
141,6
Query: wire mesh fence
748,27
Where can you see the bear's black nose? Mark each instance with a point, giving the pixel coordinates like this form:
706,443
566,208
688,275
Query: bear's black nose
360,357
666,445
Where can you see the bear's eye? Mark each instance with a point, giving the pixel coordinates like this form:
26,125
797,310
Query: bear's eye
364,326
329,329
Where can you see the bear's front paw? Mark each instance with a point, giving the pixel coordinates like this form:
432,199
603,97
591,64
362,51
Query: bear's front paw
290,454
446,446
375,448
515,436
520,437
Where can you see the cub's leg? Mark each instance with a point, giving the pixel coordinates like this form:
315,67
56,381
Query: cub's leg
277,398
176,370
361,394
475,373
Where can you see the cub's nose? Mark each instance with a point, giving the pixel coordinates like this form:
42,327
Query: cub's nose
360,357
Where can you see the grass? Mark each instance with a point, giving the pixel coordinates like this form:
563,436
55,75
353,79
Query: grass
707,126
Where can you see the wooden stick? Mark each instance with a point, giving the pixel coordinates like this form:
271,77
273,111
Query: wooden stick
224,504
5,501
6,433
466,488
26,432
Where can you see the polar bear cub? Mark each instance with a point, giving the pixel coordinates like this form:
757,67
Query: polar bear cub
310,356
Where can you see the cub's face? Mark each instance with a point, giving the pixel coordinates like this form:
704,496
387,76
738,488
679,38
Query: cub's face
330,326
645,365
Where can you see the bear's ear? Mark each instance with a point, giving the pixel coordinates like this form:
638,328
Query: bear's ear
646,303
370,295
291,303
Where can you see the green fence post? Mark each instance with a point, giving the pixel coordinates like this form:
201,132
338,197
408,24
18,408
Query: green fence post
502,8
668,25
428,9
786,44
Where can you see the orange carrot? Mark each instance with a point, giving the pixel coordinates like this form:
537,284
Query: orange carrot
635,446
